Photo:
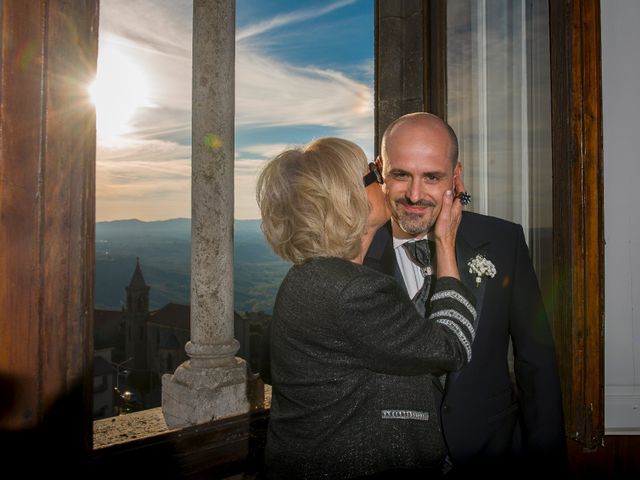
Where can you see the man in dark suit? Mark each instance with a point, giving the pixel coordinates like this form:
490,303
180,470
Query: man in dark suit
488,420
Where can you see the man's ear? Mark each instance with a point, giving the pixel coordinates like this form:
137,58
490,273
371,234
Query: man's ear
457,170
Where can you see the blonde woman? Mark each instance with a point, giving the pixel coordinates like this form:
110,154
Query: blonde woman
353,365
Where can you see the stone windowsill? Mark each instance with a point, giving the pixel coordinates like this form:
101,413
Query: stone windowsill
129,426
132,426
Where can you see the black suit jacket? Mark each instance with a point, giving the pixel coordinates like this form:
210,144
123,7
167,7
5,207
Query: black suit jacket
486,418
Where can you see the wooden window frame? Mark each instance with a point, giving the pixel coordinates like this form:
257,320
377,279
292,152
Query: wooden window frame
47,205
47,208
578,222
47,242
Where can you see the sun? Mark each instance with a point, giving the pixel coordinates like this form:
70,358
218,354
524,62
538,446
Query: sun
120,88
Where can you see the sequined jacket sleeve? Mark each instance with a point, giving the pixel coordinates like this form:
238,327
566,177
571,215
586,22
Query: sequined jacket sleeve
380,321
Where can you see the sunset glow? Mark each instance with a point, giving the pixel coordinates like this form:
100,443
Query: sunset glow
119,90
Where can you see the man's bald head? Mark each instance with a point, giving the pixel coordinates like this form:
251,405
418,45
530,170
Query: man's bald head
416,127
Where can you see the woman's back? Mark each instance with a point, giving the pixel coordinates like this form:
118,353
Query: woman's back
336,412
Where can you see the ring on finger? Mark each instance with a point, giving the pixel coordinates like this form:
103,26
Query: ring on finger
465,198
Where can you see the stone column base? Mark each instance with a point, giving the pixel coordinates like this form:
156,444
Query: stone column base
194,395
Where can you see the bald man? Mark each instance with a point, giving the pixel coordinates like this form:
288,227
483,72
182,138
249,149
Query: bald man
487,421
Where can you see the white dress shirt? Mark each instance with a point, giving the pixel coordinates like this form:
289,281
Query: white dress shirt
412,273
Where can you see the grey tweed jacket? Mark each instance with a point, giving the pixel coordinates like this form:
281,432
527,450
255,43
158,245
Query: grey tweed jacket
353,366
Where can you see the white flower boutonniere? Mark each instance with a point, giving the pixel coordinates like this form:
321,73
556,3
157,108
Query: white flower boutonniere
482,268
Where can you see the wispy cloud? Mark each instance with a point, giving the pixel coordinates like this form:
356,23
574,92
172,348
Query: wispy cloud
285,19
251,165
264,150
245,197
139,175
148,174
160,26
273,93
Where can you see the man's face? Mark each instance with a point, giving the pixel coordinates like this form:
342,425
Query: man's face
417,172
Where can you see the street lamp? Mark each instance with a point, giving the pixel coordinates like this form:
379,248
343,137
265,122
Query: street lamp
118,365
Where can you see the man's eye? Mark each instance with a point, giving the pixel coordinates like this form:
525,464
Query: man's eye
399,175
432,178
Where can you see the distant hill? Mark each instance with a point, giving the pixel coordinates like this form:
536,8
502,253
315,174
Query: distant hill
164,249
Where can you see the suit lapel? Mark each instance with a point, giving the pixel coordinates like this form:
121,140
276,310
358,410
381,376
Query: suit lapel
381,256
464,253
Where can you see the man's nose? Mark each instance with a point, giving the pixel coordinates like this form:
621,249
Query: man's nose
414,192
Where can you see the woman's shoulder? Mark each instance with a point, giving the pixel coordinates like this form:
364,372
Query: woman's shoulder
340,268
326,264
334,272
320,283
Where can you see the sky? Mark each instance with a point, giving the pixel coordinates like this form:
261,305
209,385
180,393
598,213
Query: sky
304,70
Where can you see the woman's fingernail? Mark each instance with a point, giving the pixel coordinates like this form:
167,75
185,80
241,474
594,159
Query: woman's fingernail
449,193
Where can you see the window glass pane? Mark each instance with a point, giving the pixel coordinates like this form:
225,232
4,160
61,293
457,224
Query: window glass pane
498,102
143,200
303,70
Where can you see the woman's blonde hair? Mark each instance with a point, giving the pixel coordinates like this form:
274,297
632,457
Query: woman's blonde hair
313,201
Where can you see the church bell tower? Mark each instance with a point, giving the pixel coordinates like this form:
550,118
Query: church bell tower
136,316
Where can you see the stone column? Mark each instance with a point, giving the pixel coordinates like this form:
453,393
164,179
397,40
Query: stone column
212,383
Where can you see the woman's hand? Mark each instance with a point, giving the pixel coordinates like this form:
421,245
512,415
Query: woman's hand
446,229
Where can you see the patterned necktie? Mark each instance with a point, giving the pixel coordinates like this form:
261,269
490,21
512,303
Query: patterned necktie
420,253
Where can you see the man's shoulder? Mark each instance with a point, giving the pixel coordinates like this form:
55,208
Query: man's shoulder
476,222
383,234
380,242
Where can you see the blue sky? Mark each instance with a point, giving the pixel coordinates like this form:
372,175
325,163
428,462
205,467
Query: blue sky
304,69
